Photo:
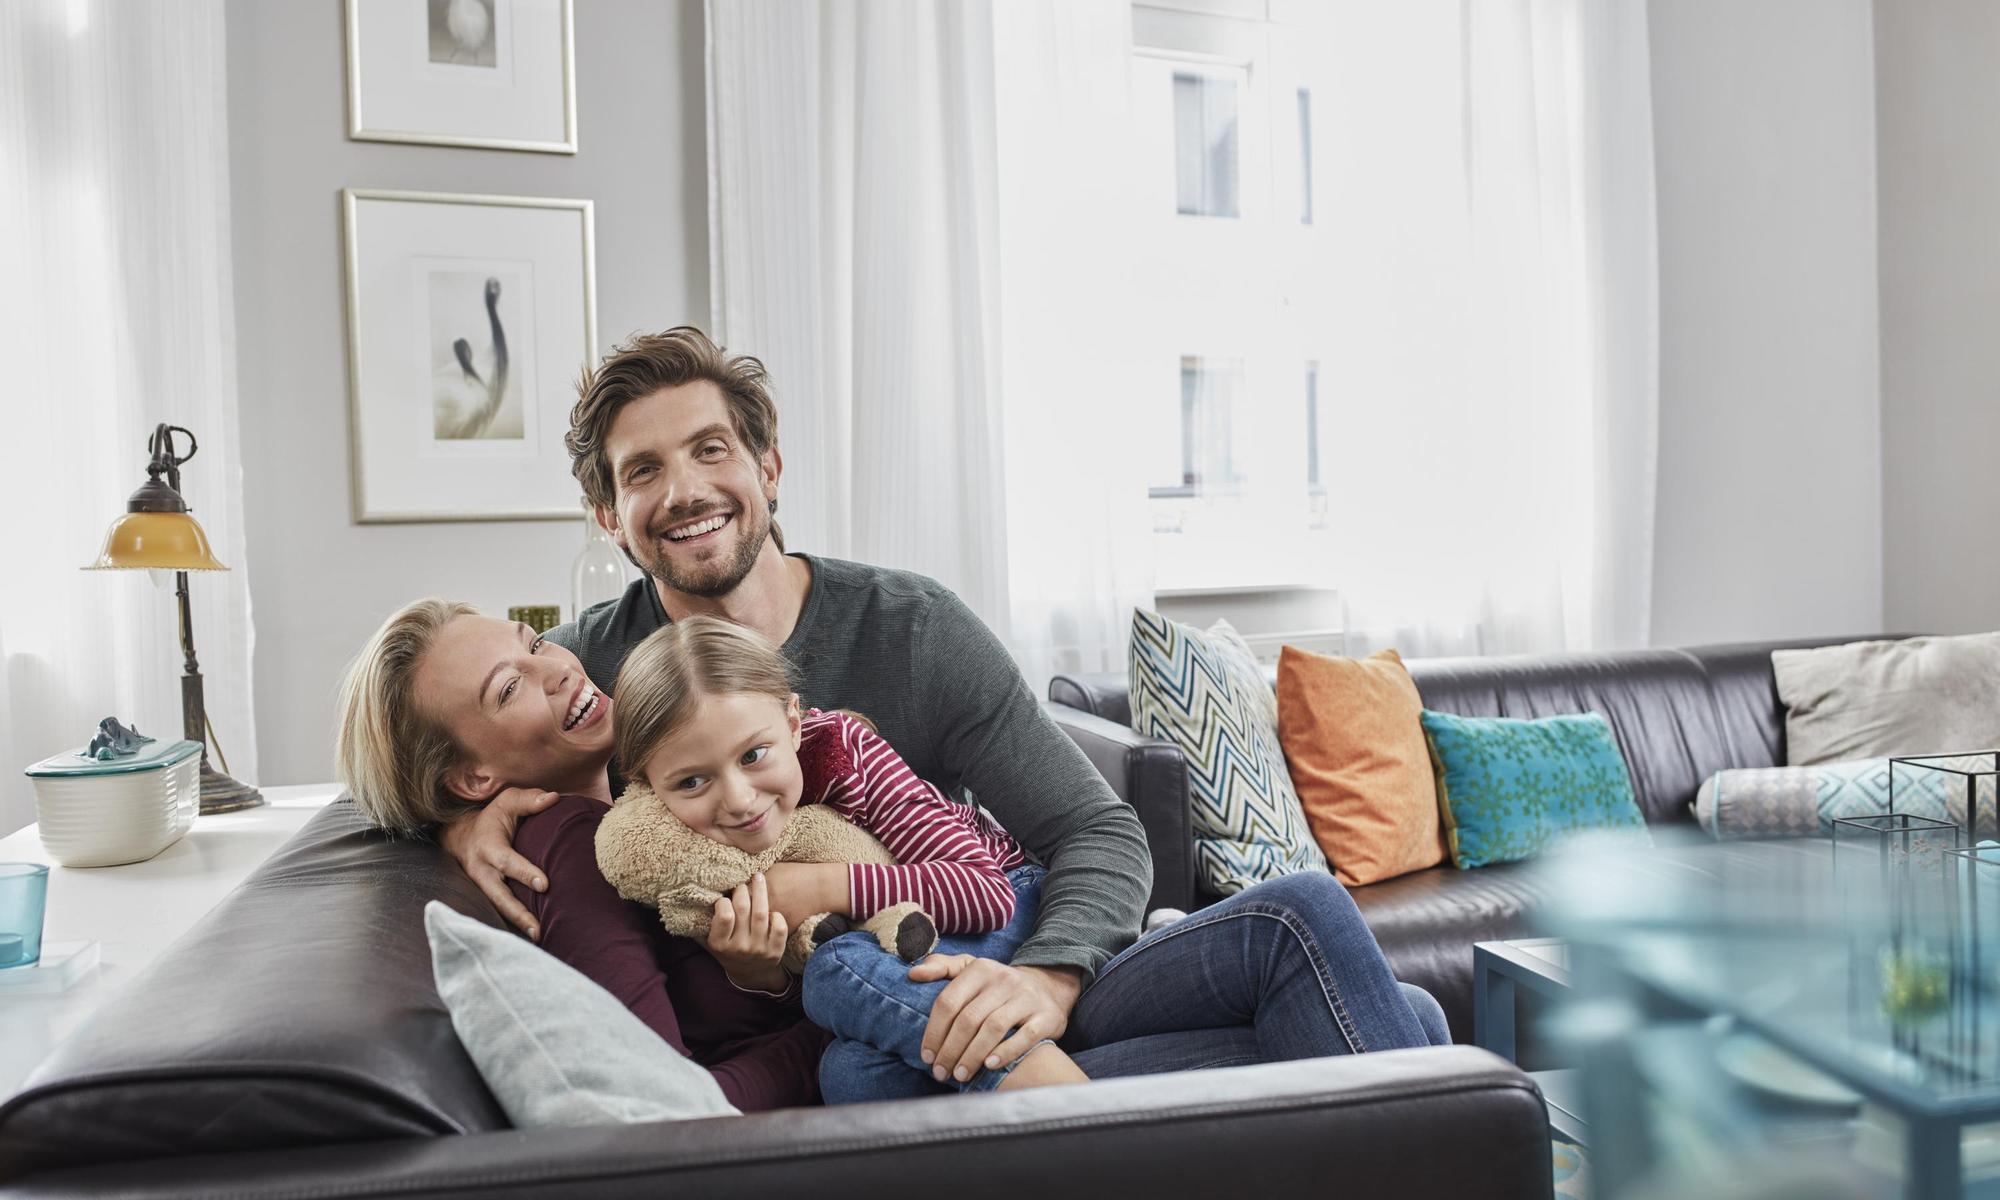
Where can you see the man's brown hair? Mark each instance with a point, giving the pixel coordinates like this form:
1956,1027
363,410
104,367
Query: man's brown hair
644,365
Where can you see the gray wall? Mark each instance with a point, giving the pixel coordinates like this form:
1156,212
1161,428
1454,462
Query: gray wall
1770,484
1937,96
318,582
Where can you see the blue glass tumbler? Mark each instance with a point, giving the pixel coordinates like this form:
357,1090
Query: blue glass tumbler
24,894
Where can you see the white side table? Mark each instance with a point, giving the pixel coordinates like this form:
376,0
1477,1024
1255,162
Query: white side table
137,910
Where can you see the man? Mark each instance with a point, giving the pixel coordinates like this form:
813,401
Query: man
675,444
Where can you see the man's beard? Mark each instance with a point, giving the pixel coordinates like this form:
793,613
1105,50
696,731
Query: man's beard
714,577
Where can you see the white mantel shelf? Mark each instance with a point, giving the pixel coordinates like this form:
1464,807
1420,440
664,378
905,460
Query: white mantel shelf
136,911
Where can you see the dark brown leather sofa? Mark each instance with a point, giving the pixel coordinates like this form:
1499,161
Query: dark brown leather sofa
1679,715
293,1044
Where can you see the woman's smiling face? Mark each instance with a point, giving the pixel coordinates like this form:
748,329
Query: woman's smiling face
520,708
731,771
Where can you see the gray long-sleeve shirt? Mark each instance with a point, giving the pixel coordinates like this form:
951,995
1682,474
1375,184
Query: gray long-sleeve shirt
905,652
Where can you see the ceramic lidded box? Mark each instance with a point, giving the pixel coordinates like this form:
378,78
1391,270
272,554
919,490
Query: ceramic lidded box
102,812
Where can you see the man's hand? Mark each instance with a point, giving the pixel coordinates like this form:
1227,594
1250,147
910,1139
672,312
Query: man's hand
748,939
483,844
985,999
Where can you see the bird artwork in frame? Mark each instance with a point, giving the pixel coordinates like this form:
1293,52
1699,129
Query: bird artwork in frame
497,74
469,318
474,394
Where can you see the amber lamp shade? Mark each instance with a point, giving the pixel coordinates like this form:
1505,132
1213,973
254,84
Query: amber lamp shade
160,540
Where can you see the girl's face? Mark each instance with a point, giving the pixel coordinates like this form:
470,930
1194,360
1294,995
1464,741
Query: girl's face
731,773
520,708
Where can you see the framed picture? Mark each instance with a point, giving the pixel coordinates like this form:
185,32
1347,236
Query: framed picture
469,319
494,73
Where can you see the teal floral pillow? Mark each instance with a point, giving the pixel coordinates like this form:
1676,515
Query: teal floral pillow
1510,789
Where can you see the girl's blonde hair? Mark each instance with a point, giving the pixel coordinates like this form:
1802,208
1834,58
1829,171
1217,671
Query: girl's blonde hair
390,753
669,673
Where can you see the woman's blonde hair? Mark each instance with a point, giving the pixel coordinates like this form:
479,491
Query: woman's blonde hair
390,753
668,674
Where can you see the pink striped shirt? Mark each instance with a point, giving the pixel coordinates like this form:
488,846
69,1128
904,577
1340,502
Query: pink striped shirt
951,858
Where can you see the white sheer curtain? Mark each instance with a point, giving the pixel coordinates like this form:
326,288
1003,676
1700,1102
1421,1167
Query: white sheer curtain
928,219
1522,517
914,221
116,314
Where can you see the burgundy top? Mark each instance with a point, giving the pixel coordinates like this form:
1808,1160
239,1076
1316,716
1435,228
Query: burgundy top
762,1050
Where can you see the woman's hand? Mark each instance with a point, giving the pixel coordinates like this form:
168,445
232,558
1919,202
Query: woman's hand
985,999
483,844
748,939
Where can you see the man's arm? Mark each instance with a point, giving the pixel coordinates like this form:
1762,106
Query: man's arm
992,734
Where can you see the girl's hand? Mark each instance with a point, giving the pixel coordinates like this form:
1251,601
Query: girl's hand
748,939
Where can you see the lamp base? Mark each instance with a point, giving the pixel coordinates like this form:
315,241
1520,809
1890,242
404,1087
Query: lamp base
220,793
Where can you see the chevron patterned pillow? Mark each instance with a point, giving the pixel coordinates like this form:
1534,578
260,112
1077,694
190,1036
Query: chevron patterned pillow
1204,693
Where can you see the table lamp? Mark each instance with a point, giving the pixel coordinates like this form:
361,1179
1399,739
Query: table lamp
157,533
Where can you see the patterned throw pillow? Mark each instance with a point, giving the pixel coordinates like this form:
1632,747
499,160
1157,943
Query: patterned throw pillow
1764,802
1204,693
1511,789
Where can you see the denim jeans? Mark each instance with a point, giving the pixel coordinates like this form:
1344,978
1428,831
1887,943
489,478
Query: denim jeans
865,998
1283,970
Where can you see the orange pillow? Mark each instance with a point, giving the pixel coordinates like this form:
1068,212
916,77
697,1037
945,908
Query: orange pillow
1353,735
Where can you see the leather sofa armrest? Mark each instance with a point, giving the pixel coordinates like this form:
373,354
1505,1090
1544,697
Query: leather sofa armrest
1151,776
1106,695
1368,1125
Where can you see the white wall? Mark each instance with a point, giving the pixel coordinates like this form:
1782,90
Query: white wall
1940,194
320,583
1770,480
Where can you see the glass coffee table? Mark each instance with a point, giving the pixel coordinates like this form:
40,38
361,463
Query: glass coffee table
1499,971
1789,1012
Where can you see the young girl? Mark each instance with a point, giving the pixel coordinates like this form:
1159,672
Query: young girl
707,717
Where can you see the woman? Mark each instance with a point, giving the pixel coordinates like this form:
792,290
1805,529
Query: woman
445,709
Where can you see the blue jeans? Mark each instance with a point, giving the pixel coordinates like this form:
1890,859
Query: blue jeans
877,1015
1283,970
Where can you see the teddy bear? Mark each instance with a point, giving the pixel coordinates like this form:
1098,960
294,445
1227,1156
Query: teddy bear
651,856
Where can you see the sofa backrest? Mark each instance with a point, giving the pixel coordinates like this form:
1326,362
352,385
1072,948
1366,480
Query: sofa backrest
301,1011
1679,715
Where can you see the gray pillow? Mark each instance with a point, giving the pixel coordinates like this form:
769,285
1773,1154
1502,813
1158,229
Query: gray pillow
1927,695
555,1048
1764,802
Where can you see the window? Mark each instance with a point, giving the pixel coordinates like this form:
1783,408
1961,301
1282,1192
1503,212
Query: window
1316,504
1312,429
1305,156
1198,463
1205,152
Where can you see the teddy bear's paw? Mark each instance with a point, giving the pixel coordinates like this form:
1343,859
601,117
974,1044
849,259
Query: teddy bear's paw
916,936
829,927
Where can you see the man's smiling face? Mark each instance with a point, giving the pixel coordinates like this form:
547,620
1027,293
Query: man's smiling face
693,501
